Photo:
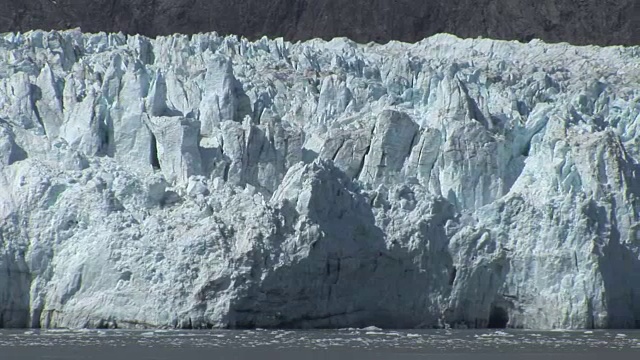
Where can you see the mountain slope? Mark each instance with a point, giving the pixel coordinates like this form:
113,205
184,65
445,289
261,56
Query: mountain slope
573,21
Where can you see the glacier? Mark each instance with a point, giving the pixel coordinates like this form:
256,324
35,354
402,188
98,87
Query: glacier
206,181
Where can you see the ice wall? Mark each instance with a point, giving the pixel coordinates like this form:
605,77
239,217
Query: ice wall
206,181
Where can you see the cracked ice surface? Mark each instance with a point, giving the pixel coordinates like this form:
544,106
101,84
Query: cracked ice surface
206,181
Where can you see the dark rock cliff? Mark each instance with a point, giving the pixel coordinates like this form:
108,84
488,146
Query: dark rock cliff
602,22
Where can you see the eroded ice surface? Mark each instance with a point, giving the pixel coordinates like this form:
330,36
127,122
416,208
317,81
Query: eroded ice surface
206,181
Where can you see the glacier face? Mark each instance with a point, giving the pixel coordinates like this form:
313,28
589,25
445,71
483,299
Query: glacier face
206,181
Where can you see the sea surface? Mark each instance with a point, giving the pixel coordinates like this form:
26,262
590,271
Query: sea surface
349,344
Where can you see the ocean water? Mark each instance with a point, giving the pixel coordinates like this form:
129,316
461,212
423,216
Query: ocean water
349,344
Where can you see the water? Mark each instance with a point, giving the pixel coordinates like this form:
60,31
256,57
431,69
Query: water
348,344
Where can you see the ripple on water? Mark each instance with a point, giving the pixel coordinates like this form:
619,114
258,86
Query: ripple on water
415,340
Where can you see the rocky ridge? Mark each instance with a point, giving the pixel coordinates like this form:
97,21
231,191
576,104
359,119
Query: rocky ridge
206,181
580,22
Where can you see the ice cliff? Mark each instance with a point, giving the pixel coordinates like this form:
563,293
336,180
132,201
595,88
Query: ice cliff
206,181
